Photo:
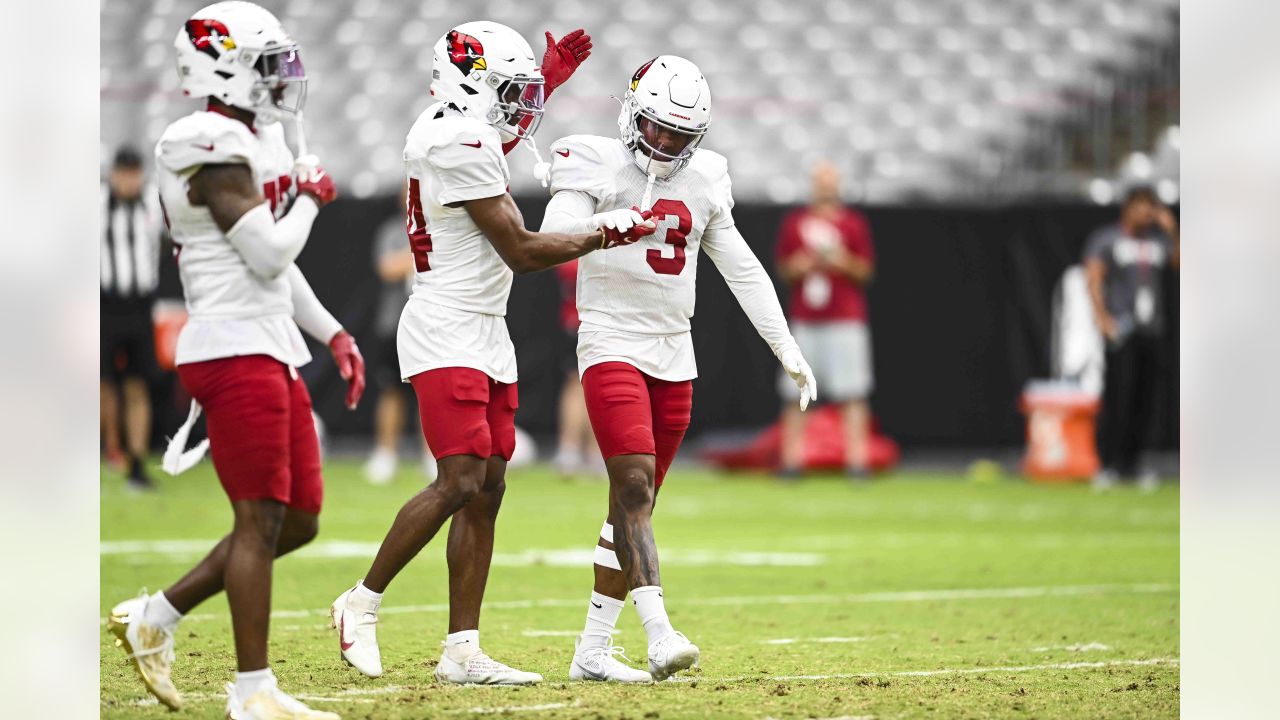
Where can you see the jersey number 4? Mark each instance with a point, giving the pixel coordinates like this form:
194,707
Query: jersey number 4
416,225
675,237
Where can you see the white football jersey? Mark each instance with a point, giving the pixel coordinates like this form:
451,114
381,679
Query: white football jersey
231,311
451,158
636,301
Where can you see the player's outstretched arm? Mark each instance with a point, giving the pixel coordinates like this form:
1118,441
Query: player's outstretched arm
754,291
525,251
268,246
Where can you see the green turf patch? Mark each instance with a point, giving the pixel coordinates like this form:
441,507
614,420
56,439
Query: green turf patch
916,597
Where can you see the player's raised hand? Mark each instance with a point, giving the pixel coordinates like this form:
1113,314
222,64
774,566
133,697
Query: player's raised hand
794,364
350,365
563,57
623,226
313,180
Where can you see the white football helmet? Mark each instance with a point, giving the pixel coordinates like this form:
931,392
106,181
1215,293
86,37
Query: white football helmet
487,71
674,100
239,53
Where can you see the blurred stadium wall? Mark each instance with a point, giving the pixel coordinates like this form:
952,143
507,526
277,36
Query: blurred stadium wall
985,138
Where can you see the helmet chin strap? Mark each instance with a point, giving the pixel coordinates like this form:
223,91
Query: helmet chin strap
654,169
541,168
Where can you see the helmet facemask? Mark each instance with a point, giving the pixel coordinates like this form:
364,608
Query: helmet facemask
641,133
517,109
281,86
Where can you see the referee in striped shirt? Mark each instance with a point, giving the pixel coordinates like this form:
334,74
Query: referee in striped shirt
132,229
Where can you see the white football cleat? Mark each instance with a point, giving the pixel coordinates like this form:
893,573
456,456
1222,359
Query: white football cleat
357,626
598,662
150,649
670,654
480,669
271,703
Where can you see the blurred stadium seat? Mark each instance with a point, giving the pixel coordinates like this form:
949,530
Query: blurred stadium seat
938,100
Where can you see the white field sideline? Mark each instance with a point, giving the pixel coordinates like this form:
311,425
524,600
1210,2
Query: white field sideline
736,600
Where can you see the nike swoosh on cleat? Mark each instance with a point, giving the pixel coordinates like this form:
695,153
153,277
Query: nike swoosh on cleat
206,148
342,634
475,144
562,153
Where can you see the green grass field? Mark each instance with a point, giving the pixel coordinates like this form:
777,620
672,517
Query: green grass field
920,596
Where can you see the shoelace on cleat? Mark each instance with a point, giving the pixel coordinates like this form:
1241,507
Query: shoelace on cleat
608,651
164,649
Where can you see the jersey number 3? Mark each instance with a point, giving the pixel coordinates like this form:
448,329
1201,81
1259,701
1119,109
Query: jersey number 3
416,225
675,237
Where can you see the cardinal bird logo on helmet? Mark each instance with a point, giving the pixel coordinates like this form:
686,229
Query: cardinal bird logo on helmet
635,79
209,35
465,52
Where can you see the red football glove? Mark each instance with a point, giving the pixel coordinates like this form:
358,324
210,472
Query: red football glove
350,365
614,238
319,185
563,57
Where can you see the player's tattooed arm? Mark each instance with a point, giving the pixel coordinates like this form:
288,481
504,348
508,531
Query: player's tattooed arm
523,250
227,190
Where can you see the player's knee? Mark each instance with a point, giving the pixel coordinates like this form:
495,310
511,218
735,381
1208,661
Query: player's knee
259,522
298,531
459,488
493,492
633,490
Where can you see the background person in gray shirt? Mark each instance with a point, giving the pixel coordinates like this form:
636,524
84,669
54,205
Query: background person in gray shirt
1124,263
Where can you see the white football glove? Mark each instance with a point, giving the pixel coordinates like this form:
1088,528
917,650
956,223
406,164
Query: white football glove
795,366
622,219
306,166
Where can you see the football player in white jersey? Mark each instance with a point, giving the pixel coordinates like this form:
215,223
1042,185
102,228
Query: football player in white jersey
467,238
240,210
635,353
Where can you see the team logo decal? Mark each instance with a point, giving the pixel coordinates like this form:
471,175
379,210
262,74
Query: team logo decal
465,52
209,35
635,79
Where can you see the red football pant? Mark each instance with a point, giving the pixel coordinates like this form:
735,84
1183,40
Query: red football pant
465,412
635,414
261,434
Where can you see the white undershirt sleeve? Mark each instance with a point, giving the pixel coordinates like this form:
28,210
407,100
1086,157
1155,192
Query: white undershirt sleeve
307,310
570,211
270,246
750,285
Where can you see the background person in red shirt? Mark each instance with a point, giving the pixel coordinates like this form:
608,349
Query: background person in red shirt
825,255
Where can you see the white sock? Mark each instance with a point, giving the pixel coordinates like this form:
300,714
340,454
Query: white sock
366,599
653,612
249,683
602,618
161,612
462,644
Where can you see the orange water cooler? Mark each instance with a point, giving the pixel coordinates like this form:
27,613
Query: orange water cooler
1061,419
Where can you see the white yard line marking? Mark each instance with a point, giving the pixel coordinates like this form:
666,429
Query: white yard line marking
346,695
735,600
322,698
944,671
792,641
1086,647
553,557
517,708
838,717
386,690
